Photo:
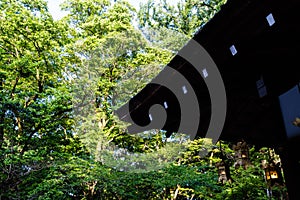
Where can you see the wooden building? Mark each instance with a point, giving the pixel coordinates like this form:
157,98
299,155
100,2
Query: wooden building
255,45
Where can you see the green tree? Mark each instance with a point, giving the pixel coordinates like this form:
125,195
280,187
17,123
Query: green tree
186,17
35,119
111,52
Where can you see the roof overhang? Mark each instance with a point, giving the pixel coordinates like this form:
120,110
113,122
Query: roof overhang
255,45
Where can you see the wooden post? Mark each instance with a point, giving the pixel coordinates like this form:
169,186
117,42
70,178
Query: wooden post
290,157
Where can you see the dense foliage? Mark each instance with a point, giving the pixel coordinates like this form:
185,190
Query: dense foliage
59,83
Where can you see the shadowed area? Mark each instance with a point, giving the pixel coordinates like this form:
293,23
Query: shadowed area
255,46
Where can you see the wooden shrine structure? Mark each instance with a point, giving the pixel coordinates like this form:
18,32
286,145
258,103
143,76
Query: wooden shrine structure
256,46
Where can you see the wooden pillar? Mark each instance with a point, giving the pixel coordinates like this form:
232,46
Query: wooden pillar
290,158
